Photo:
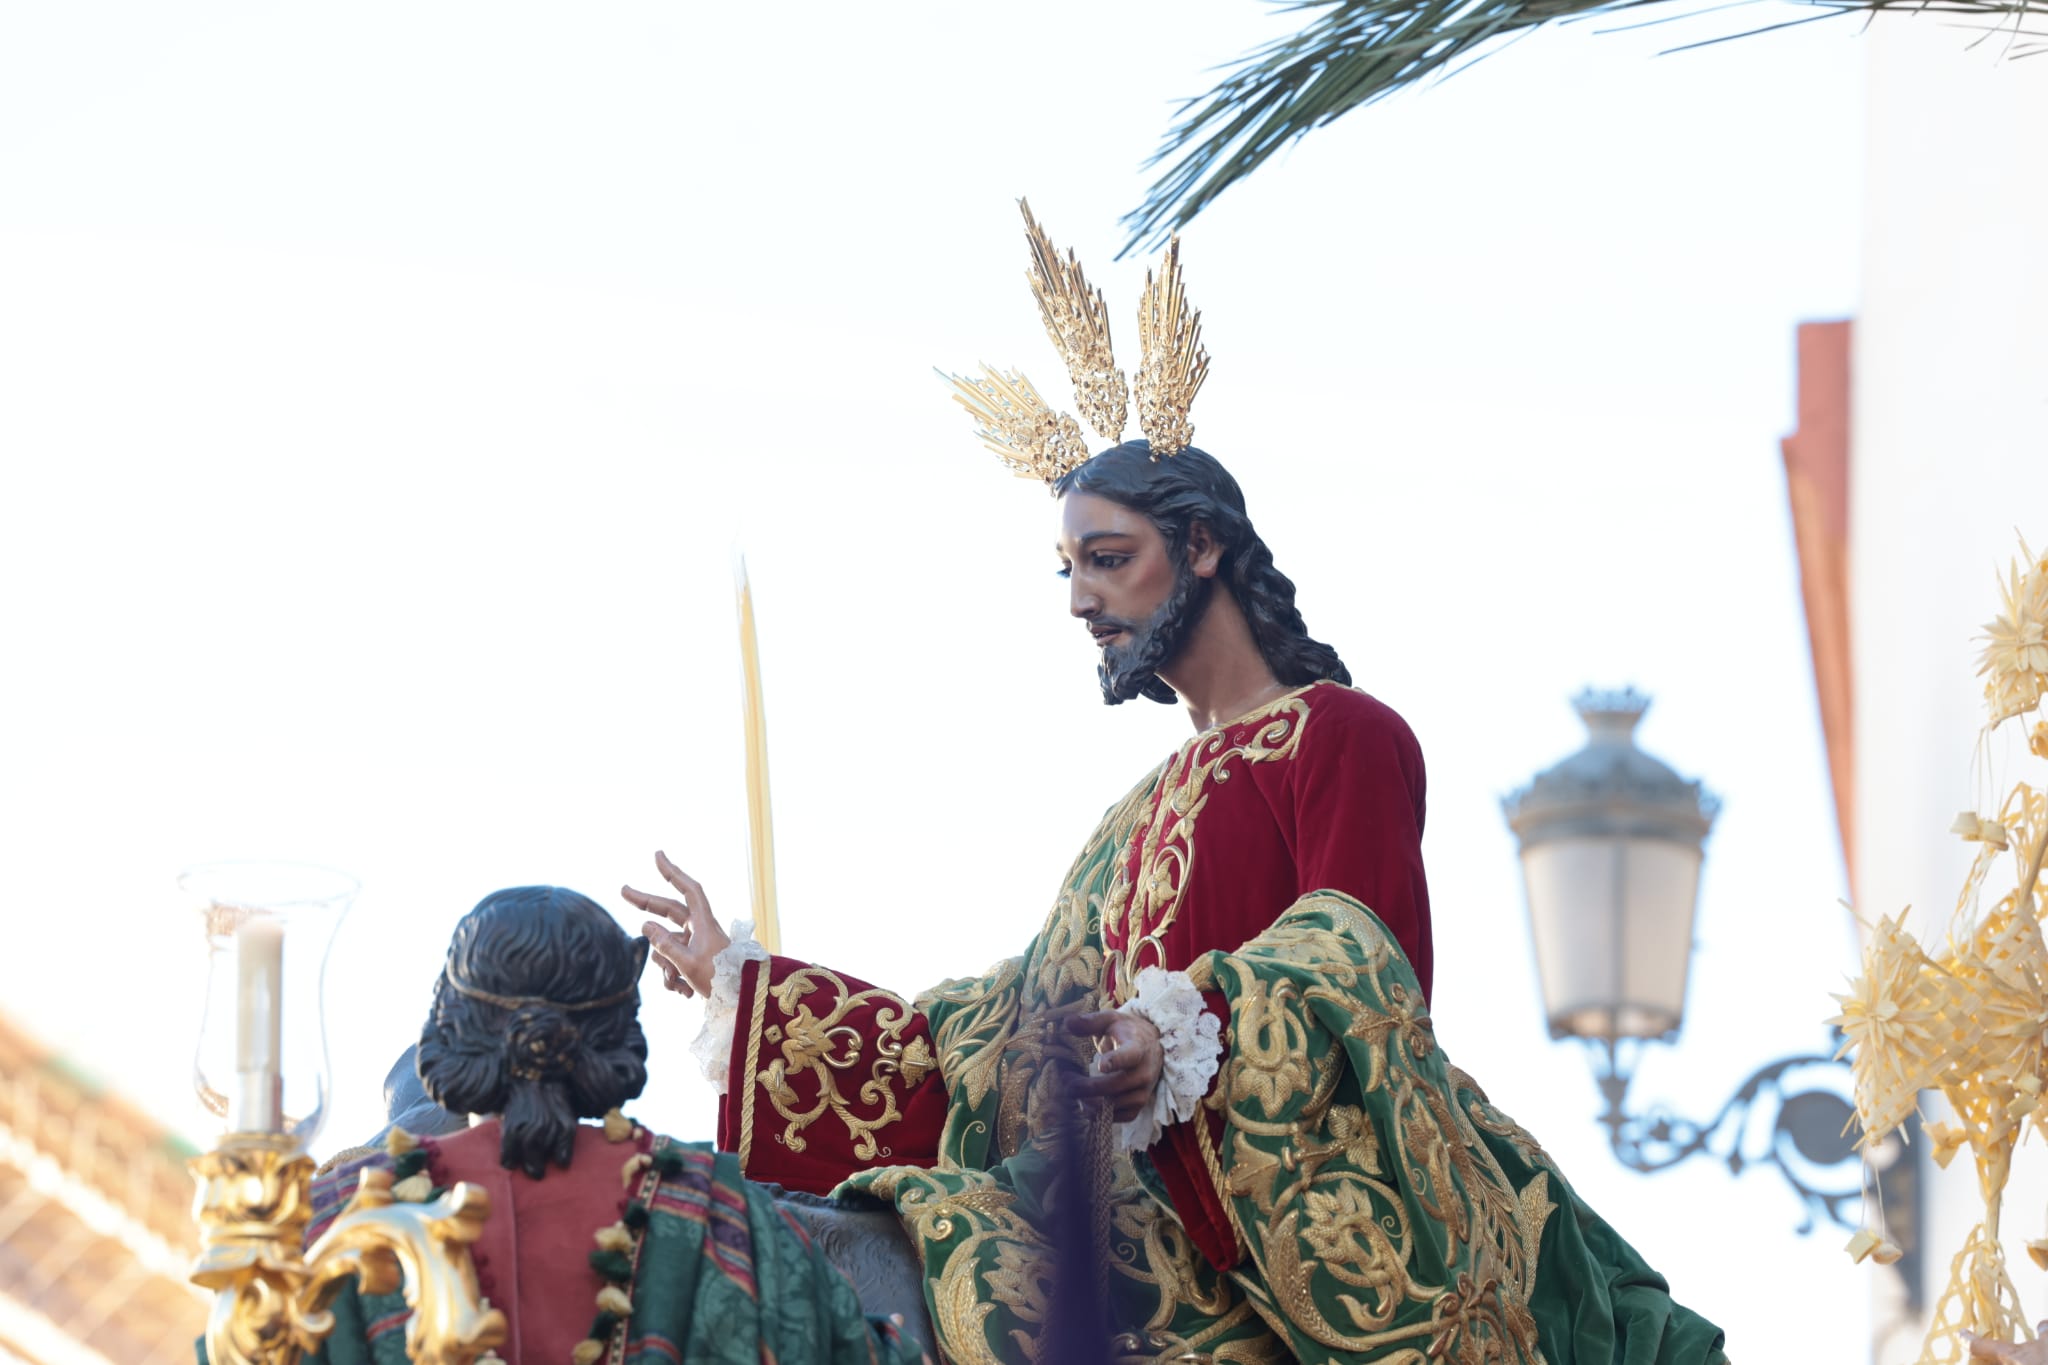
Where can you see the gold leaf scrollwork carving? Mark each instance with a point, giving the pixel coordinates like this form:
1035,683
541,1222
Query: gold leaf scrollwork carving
273,1294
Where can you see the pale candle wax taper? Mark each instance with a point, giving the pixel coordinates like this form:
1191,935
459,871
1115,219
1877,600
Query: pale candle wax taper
259,1024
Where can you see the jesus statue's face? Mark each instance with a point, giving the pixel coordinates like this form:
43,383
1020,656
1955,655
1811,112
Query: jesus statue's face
1135,598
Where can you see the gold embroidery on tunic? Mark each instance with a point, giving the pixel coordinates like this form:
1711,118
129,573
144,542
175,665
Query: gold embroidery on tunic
826,1048
1142,905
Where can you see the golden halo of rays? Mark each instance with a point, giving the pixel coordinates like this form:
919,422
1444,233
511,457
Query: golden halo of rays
1036,441
1077,320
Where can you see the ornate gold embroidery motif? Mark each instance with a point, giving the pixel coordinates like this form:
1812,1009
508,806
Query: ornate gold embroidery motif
824,1048
995,1039
1002,1027
1488,1119
1334,1187
991,1275
962,1299
1537,1206
1268,1048
1156,1250
917,1062
1021,1280
1142,905
964,1041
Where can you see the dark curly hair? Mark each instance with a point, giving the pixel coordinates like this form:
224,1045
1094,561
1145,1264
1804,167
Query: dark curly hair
1174,494
536,1018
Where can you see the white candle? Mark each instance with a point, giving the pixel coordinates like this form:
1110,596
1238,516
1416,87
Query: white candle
259,1024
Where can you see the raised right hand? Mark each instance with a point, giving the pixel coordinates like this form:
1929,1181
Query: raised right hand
685,957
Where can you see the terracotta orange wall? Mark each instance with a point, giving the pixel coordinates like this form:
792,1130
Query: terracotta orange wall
1817,482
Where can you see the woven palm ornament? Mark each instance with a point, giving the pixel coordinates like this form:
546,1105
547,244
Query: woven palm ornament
1023,429
1969,1018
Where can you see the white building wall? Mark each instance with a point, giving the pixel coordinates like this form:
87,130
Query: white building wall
1950,457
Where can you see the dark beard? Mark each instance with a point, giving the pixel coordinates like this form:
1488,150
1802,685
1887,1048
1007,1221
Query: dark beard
1132,670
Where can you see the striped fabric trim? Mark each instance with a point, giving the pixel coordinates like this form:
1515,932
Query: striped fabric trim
796,1224
651,1347
696,1194
333,1189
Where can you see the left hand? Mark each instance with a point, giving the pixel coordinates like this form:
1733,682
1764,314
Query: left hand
1128,1073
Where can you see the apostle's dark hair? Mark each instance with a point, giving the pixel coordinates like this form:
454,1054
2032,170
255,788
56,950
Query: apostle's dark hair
1193,486
536,1019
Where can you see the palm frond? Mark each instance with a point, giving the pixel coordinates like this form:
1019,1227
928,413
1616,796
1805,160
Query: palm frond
1353,52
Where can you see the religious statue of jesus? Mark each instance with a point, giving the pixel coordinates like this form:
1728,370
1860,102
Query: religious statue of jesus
1240,955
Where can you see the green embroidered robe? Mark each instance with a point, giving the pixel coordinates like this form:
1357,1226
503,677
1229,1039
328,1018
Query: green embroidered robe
1386,1210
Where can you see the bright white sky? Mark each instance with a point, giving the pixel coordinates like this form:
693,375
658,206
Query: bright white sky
382,386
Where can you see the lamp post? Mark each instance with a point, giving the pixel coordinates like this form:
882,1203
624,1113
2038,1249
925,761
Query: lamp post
1611,844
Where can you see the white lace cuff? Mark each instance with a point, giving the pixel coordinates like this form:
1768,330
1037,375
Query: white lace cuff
1191,1040
713,1045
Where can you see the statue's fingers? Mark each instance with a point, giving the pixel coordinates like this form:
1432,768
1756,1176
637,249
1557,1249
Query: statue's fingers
671,947
1093,1087
1112,1085
655,905
1119,1059
692,889
1095,1025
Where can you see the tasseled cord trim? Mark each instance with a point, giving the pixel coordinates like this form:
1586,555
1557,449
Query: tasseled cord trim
617,1257
411,1181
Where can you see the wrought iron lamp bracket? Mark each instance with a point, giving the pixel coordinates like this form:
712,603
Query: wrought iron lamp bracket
1774,1118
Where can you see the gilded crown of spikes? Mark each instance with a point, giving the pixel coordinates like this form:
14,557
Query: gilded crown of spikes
1039,443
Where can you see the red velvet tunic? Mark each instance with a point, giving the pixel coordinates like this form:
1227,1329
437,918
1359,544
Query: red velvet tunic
1322,790
533,1258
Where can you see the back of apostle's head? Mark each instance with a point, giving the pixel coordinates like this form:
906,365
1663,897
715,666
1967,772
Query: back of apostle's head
1192,487
536,1020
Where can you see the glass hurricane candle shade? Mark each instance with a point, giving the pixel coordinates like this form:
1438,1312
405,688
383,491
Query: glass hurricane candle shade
262,1060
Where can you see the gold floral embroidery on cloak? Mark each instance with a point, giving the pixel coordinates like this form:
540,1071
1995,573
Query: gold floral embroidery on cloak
1321,1023
995,1037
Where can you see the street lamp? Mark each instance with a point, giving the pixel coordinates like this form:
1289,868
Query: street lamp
1611,843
